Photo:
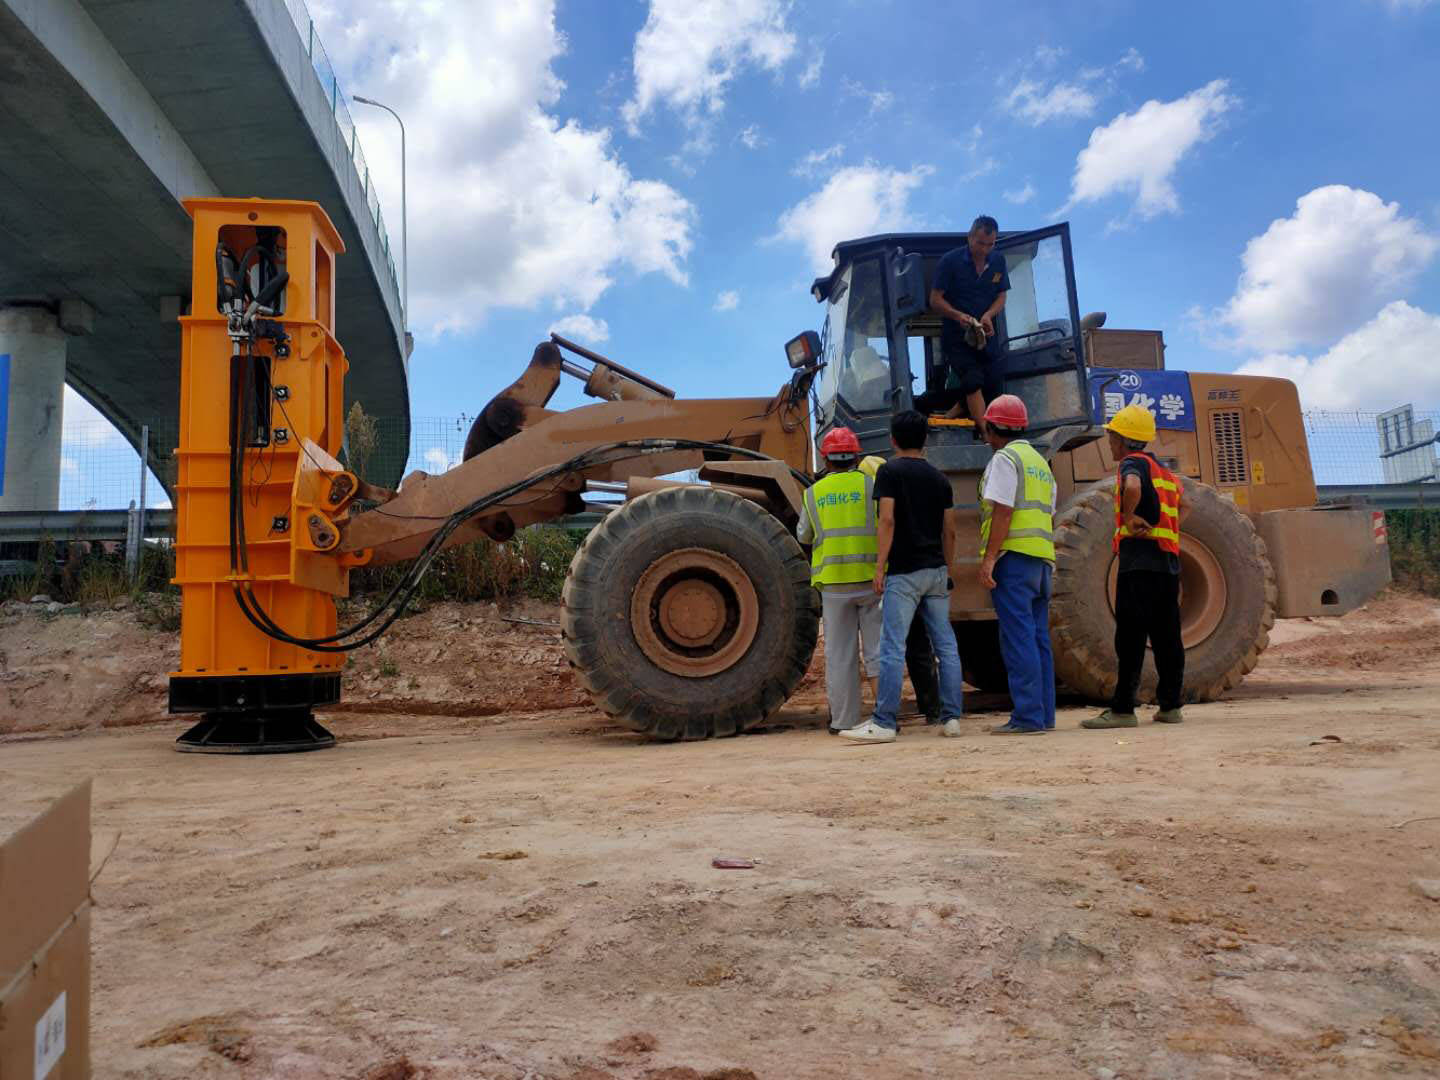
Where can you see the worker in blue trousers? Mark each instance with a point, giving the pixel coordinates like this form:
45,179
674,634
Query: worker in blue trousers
1017,559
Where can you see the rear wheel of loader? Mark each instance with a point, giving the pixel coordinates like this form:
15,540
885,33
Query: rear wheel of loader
979,643
1227,596
688,613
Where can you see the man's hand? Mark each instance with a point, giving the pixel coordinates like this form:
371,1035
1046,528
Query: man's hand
879,581
987,323
1135,525
987,570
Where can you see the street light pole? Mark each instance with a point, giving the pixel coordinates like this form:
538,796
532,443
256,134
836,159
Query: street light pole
404,219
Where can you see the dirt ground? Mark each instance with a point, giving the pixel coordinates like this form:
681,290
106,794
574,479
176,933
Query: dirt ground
484,880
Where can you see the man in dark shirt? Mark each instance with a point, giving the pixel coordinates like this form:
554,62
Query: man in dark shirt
969,292
1150,503
915,539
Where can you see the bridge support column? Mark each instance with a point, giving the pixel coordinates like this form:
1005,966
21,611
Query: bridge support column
32,403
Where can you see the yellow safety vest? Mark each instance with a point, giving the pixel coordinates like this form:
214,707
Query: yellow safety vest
1031,526
842,516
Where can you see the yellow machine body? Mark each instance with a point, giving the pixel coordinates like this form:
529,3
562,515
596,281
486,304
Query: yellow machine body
292,487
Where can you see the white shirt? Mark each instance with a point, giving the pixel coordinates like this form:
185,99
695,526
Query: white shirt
1001,482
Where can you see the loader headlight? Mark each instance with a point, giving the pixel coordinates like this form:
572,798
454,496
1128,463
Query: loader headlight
803,351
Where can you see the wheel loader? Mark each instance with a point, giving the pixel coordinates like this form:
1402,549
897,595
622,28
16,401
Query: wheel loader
688,611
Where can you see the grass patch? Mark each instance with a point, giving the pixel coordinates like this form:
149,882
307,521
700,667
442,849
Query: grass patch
533,564
1415,549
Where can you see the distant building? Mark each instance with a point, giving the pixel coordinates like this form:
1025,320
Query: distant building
1407,447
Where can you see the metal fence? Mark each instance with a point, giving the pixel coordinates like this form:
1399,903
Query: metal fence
1345,446
320,60
99,470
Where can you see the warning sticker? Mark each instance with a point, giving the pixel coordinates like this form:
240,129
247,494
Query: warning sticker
50,1038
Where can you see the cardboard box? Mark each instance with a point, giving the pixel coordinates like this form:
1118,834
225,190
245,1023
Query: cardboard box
45,944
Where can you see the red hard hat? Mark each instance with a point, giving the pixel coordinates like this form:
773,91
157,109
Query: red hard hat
839,442
1008,411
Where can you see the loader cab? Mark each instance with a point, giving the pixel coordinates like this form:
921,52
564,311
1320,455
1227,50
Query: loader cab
880,345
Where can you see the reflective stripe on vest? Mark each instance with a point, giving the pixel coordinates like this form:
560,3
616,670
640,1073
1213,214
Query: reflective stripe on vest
1031,525
1166,531
841,508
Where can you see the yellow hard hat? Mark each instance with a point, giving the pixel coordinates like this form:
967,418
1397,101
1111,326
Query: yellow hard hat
871,465
1133,422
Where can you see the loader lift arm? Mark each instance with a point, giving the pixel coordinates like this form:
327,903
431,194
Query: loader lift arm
538,462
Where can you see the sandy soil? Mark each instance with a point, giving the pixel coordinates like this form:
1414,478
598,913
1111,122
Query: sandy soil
530,893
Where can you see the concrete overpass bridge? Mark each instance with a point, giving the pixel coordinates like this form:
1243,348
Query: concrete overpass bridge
111,112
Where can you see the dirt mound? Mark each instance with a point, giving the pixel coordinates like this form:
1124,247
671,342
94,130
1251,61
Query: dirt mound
76,669
69,669
1395,632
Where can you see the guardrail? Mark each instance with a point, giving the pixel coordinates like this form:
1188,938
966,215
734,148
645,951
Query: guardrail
320,61
28,526
1418,496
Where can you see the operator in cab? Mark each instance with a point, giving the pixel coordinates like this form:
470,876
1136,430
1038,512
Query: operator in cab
968,292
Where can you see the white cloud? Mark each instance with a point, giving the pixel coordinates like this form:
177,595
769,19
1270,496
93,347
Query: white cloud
810,77
689,51
728,300
1406,5
1320,272
878,100
1387,362
1038,103
1131,61
553,211
437,461
85,431
1032,102
1140,151
856,201
816,160
582,328
751,138
984,168
1021,197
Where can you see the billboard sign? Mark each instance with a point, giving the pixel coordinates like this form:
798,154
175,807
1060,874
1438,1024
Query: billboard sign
1164,393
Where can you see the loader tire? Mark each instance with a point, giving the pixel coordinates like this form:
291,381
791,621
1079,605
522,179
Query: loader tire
980,659
1227,603
688,613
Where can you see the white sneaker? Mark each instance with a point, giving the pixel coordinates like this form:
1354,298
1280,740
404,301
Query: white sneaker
951,728
869,732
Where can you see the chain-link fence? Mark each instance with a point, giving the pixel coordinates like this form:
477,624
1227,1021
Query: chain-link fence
1354,448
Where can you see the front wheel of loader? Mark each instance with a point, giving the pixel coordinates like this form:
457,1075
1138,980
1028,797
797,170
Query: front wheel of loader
1227,596
688,613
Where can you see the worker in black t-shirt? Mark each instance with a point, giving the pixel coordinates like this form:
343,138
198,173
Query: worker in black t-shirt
968,291
915,541
1150,503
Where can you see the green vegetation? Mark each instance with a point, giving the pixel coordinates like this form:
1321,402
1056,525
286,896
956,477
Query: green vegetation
88,573
1415,549
531,565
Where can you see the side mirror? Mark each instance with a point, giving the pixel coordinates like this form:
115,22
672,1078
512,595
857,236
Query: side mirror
907,285
803,351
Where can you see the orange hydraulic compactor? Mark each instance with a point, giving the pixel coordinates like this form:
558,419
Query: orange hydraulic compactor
259,490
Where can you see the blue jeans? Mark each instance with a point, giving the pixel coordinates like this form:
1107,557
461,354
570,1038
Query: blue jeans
1022,601
905,594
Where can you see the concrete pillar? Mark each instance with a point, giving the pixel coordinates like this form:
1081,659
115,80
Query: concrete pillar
32,402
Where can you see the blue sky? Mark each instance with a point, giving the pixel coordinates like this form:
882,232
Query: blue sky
722,108
661,176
